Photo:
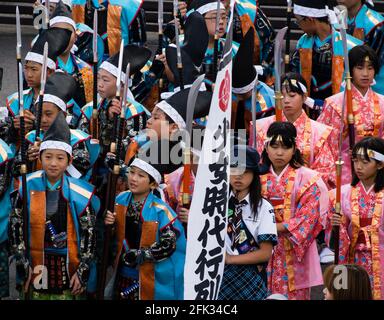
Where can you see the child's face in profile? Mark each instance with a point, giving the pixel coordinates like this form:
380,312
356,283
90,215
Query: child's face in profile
158,127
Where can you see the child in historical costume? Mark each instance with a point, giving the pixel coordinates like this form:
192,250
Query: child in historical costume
149,261
58,262
119,19
108,106
57,42
313,138
319,52
251,231
367,106
73,65
59,91
6,158
300,199
366,24
361,228
168,120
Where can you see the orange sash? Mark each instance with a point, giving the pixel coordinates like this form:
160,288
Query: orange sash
371,230
359,34
114,29
306,69
78,13
286,216
37,233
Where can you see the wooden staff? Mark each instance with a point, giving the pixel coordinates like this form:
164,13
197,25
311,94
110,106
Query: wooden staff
111,190
177,40
118,89
288,36
95,115
216,43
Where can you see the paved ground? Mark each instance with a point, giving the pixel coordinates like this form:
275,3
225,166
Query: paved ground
9,85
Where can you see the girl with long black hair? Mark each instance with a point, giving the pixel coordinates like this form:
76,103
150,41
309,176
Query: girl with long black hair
300,199
251,231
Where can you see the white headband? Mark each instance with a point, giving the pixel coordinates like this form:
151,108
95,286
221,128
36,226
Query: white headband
36,57
57,145
147,168
112,69
212,6
372,154
60,19
172,113
309,12
55,100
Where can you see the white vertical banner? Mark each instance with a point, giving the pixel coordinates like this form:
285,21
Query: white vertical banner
207,222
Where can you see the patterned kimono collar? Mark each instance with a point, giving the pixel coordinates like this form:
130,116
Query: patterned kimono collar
278,177
358,96
300,120
362,188
303,141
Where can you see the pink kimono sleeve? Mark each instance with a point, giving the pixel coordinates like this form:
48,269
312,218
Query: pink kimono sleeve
324,163
305,225
331,117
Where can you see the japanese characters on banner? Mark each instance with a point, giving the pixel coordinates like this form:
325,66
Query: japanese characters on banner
207,225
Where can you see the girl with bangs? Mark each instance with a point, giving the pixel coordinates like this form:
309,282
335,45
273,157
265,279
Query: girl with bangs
313,138
300,199
361,235
367,106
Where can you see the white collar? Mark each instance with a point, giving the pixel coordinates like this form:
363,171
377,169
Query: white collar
369,190
281,173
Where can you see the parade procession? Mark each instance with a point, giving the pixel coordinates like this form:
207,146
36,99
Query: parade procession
193,152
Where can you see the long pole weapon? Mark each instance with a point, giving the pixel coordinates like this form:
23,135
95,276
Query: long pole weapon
94,127
348,78
23,167
111,188
288,37
160,20
254,99
340,162
47,13
177,40
216,43
39,111
118,89
278,95
191,101
18,47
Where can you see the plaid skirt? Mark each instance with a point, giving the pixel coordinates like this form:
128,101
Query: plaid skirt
243,282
